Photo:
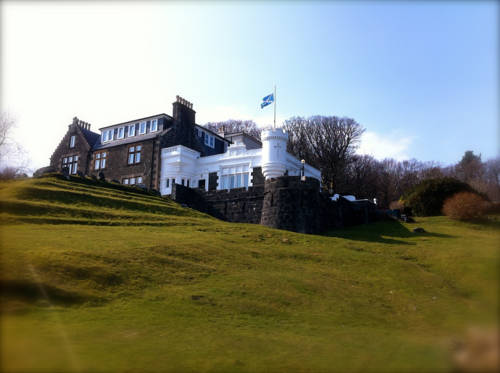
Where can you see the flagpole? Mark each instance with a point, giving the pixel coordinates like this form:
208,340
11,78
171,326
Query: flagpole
275,106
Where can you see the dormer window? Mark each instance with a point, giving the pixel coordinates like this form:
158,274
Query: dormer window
209,140
121,133
154,125
131,130
107,135
142,128
72,141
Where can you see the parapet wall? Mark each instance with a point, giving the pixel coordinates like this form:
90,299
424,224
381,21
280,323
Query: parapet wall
292,204
235,205
284,203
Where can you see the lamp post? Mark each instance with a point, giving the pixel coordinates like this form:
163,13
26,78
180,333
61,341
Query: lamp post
302,171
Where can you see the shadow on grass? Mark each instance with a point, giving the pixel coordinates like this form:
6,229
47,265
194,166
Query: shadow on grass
32,292
492,221
387,232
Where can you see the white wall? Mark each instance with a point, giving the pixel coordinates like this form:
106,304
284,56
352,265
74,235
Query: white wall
181,163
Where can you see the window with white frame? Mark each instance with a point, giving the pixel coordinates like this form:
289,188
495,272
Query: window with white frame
121,133
132,180
239,180
131,130
154,125
72,141
71,163
134,154
107,135
142,128
100,160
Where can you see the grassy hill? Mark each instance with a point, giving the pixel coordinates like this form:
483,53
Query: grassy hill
98,277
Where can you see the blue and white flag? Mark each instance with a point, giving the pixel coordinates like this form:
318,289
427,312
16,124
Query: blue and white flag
268,100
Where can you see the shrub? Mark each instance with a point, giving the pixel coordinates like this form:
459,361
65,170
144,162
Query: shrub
465,206
493,208
427,198
396,205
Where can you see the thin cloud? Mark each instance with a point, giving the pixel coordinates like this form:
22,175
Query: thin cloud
380,146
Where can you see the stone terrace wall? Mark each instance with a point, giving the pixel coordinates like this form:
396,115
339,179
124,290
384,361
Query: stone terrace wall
292,204
236,205
283,203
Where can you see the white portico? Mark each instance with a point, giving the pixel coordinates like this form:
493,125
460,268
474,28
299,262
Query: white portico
182,165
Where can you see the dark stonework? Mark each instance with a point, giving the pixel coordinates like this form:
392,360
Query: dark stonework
257,176
81,148
117,167
292,204
212,181
236,205
177,130
184,120
284,203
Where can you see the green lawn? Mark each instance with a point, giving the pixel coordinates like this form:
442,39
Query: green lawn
99,279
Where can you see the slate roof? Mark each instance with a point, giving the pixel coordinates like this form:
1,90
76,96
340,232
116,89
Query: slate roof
91,137
212,132
234,134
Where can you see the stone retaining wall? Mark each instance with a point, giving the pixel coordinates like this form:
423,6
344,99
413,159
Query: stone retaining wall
284,203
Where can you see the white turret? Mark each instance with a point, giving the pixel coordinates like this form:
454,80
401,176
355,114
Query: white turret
274,152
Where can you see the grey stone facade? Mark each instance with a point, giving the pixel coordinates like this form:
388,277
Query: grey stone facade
178,129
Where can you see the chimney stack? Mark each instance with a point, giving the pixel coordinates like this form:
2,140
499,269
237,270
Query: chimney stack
81,123
183,110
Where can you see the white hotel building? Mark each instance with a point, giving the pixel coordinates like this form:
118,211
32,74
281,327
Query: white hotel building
185,166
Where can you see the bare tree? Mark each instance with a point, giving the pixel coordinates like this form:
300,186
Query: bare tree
235,125
489,180
363,176
13,158
327,143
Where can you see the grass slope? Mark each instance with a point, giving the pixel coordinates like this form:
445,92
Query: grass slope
100,279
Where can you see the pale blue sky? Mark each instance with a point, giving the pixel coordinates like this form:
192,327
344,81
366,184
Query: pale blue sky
421,77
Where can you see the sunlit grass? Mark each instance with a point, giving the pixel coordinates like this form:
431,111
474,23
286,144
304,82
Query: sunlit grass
197,294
